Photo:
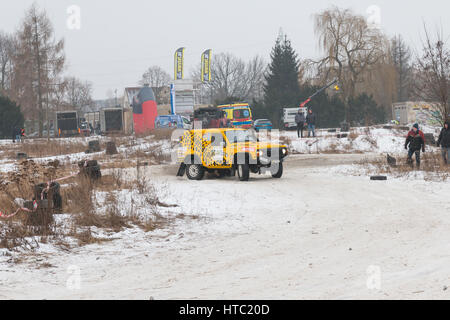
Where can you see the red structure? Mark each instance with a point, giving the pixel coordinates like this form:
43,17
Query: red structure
145,111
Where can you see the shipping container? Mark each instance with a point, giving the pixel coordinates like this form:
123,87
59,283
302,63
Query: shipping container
67,123
111,120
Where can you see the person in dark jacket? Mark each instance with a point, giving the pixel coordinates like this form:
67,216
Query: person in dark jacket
416,141
444,141
311,122
14,134
300,121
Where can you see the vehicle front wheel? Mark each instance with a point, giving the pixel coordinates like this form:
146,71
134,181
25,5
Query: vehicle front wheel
243,172
195,172
277,170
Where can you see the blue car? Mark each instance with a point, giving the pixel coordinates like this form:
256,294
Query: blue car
172,121
262,124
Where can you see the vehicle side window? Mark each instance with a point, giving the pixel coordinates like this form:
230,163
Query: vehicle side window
207,137
217,139
246,114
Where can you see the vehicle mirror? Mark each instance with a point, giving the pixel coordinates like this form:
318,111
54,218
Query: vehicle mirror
213,139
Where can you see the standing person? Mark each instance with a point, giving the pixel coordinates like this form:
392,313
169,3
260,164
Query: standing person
300,120
416,141
311,122
21,134
14,134
444,142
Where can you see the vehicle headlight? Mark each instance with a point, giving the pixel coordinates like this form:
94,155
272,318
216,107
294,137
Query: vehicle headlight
259,153
284,151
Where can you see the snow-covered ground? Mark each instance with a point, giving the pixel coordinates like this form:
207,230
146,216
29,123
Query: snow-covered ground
322,231
311,234
359,140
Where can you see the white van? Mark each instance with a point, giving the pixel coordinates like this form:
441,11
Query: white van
288,117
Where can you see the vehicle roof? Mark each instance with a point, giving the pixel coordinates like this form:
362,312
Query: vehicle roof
169,116
233,106
217,130
262,120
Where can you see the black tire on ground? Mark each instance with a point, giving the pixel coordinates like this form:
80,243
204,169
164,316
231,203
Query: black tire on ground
243,172
195,172
277,173
378,178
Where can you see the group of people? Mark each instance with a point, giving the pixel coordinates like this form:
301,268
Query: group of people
18,134
302,121
415,142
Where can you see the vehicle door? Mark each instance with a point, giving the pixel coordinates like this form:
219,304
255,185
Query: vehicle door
214,149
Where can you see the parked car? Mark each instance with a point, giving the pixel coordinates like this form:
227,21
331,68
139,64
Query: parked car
227,151
210,117
172,122
262,124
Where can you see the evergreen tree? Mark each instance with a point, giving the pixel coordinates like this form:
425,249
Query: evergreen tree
365,111
282,88
10,117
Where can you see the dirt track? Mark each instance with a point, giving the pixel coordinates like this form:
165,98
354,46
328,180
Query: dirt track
308,235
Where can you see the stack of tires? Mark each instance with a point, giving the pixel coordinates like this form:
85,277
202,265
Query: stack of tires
94,146
48,199
90,169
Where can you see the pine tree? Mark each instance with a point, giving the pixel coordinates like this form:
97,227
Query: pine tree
282,88
10,117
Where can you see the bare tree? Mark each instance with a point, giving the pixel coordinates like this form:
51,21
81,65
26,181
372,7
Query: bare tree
432,79
232,77
401,57
157,79
7,50
380,81
39,60
351,47
77,94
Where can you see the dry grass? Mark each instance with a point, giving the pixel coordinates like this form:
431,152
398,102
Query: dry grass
38,148
353,135
157,134
78,194
431,165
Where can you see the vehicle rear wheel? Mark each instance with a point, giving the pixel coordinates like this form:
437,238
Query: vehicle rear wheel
195,172
277,170
243,172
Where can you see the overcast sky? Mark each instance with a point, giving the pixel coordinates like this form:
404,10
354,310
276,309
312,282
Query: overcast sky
119,39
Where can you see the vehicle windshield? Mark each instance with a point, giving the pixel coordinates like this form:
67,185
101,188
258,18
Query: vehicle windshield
163,121
241,113
241,136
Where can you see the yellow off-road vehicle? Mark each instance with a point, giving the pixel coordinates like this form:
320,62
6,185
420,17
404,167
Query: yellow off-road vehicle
225,151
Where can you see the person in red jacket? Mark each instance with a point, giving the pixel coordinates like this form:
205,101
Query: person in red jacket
416,141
